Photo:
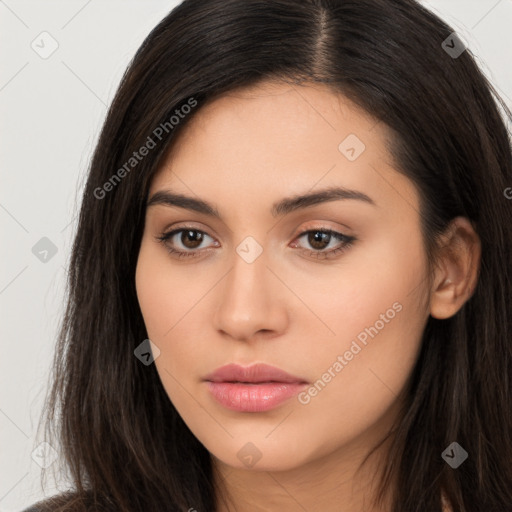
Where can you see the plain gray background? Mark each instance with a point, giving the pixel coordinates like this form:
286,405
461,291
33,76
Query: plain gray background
51,110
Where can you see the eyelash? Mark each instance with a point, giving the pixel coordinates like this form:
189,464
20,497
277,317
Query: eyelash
319,254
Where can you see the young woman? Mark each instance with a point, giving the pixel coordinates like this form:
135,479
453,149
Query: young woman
291,288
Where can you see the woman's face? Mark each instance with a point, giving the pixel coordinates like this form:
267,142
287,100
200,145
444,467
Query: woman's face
343,314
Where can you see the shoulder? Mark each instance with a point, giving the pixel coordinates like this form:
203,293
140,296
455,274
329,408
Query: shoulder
68,502
33,508
64,501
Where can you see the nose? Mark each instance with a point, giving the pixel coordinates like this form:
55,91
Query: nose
251,301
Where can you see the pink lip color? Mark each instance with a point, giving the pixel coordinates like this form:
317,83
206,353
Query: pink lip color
255,388
253,397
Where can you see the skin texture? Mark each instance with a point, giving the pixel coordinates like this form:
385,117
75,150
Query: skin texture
291,308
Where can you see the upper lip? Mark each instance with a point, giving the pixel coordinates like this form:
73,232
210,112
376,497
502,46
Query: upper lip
254,373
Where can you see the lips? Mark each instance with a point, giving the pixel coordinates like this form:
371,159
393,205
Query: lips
255,388
257,373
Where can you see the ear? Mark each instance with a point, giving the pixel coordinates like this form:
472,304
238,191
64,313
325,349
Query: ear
457,270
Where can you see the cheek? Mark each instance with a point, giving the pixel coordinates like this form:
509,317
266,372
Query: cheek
172,299
350,296
153,295
373,306
167,296
166,293
354,394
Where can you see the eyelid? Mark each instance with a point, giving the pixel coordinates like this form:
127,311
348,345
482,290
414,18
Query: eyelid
185,225
167,234
323,225
345,240
310,226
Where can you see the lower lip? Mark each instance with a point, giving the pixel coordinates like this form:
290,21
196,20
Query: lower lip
243,397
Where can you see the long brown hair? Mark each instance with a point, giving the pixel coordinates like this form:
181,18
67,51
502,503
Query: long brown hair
123,443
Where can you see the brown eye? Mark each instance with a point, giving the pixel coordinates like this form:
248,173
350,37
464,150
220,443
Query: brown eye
319,239
183,242
186,242
191,238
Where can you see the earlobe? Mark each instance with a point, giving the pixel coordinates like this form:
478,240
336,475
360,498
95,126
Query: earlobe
457,271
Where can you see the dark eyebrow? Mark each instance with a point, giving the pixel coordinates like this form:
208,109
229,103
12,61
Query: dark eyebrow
283,207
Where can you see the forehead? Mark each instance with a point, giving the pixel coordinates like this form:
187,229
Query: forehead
276,139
